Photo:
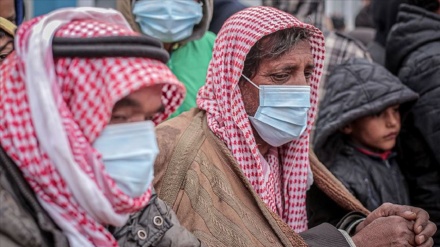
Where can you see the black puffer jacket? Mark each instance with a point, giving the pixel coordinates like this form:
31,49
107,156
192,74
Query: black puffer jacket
356,89
370,178
413,53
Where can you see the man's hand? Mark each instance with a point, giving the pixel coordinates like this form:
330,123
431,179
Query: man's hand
422,227
386,231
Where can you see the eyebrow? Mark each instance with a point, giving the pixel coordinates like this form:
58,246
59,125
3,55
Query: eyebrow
311,66
127,102
295,67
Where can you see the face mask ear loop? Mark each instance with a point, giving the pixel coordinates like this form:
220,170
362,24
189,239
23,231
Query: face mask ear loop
249,80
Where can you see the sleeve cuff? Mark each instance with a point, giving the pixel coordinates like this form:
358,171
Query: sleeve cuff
348,238
350,222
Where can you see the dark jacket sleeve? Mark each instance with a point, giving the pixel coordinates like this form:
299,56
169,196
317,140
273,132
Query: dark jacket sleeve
332,213
324,235
156,225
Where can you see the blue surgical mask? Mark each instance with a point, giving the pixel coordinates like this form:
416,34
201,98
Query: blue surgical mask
282,114
168,20
129,151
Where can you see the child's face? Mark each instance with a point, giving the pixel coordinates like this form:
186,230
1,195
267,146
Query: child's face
377,131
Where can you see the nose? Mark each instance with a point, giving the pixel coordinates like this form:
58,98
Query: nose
393,118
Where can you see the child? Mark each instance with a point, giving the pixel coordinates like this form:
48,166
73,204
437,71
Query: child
356,131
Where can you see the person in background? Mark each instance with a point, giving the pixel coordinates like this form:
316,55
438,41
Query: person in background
223,9
413,54
358,125
308,11
364,17
338,23
384,17
80,97
7,32
236,169
182,27
364,30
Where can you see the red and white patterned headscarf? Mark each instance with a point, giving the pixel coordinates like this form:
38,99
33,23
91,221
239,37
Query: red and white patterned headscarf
51,112
284,189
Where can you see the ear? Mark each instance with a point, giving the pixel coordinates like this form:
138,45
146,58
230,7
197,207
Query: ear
348,129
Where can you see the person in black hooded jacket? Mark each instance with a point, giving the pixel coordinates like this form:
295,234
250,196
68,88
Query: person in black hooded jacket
356,131
413,54
384,15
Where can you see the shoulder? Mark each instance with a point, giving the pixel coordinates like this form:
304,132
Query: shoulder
424,56
209,37
172,136
423,62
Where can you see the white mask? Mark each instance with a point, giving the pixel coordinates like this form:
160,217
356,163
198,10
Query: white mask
168,20
129,151
282,114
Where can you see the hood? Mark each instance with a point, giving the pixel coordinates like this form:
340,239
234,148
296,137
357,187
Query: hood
355,89
415,27
126,7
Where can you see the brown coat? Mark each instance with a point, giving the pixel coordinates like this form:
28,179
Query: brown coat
196,174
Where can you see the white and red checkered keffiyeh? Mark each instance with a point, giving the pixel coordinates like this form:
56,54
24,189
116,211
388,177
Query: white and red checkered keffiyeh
51,112
284,188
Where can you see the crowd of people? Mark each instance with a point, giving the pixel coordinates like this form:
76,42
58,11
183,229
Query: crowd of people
147,126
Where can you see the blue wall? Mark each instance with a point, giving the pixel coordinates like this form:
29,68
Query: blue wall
45,6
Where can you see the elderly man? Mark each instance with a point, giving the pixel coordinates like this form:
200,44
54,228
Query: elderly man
236,170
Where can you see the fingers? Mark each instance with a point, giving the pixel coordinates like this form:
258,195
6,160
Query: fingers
422,220
426,234
409,233
428,243
389,209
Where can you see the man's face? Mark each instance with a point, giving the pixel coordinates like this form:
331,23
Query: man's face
293,68
141,105
7,10
6,45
